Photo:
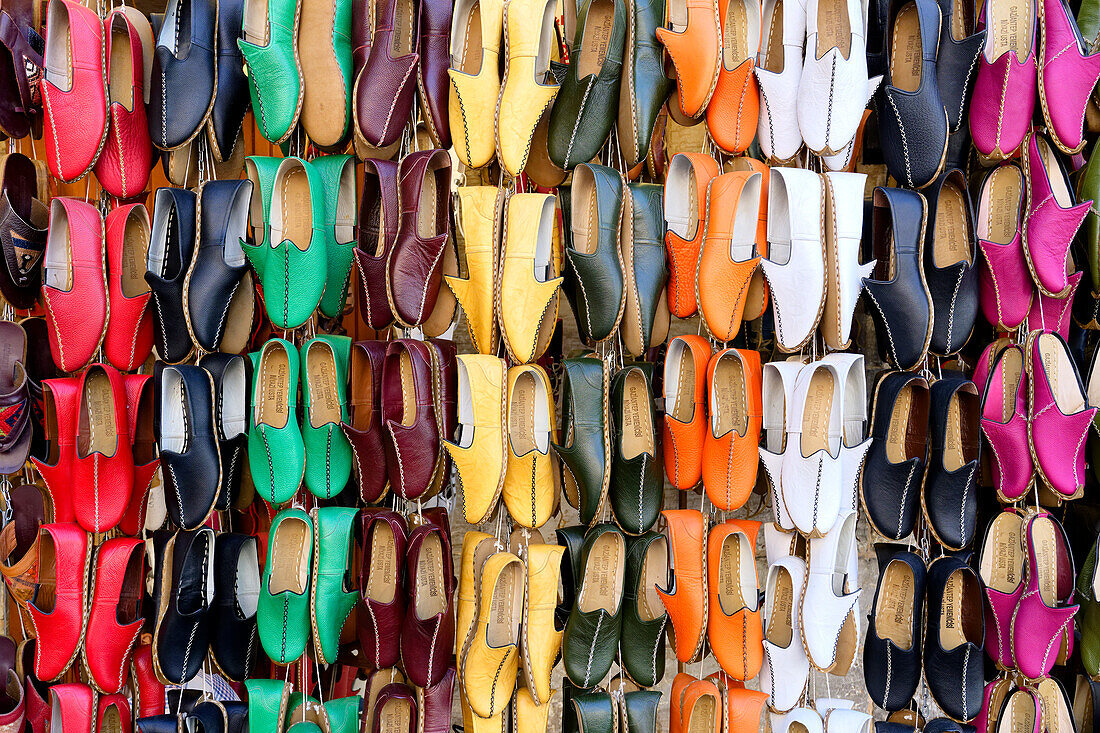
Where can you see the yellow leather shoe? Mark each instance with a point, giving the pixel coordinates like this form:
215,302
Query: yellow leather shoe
475,79
479,446
477,235
472,723
530,274
541,641
531,481
477,547
530,716
529,88
490,658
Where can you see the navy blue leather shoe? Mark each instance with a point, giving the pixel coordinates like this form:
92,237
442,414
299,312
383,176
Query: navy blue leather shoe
184,64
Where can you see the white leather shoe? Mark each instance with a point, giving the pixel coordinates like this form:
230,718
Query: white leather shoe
785,670
778,71
777,393
839,720
823,705
811,478
795,265
834,88
830,631
855,442
844,279
799,720
778,543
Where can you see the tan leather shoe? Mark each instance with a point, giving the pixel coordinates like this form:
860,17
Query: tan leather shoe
490,658
479,447
541,641
477,547
531,484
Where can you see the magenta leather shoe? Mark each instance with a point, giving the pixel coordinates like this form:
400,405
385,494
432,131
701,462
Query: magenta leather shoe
1002,570
1053,217
993,698
1042,626
1005,90
1004,424
988,358
1053,314
1067,76
1004,283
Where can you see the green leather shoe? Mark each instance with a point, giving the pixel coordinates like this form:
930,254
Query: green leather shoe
335,716
590,712
586,439
1088,618
572,539
305,726
268,703
645,87
1088,187
644,617
283,609
261,171
338,174
269,43
591,639
276,453
637,475
343,714
645,270
324,362
332,599
638,711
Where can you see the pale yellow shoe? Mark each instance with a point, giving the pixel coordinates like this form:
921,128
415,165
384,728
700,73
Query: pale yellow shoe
475,724
478,211
475,78
477,547
478,450
530,716
528,89
490,658
530,274
531,483
541,641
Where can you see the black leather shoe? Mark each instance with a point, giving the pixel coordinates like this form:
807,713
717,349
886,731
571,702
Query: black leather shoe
234,643
23,224
184,64
889,484
189,451
637,477
161,724
892,652
950,263
217,287
644,617
236,717
949,497
960,46
589,711
586,436
900,306
207,717
645,270
955,638
171,247
231,374
911,116
942,725
231,99
591,639
182,631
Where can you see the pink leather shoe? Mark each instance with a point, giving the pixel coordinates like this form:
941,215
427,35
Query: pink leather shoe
1067,76
1053,217
988,358
1053,314
1060,415
1042,626
993,699
1004,424
1005,289
1002,570
1005,90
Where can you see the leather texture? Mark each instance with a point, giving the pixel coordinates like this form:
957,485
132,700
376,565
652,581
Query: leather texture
778,71
324,379
955,73
685,597
338,179
1088,619
592,633
62,620
189,449
114,613
1004,424
230,374
694,50
381,612
174,220
645,319
1042,625
531,488
382,113
953,665
585,449
332,601
948,498
733,437
127,157
477,211
1088,188
479,450
734,629
431,73
643,638
473,80
900,590
734,108
636,481
274,436
103,466
844,273
489,669
953,285
188,69
686,186
685,415
998,129
540,639
274,72
644,86
182,627
231,98
1005,287
1003,590
24,219
379,219
283,607
129,337
1067,75
729,257
427,637
407,391
785,669
233,638
73,706
363,428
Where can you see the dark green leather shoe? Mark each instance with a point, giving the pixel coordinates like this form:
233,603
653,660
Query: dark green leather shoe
590,712
1088,618
645,271
636,469
595,269
572,539
591,638
586,438
584,110
645,87
644,617
334,593
639,711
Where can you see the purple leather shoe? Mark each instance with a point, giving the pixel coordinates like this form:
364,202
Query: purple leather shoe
1005,289
432,81
1005,90
988,358
1067,76
1042,626
1002,570
1053,217
1060,415
385,87
1053,314
1004,424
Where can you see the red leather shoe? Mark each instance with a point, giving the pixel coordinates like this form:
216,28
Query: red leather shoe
124,165
73,285
58,608
75,704
60,398
428,634
114,617
139,409
113,714
148,690
74,92
129,338
103,467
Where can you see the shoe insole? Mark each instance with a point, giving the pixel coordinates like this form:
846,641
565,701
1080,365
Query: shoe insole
773,49
274,407
1083,705
703,714
45,591
960,441
404,26
1009,27
797,727
238,319
959,619
905,435
469,57
1056,714
1043,535
599,24
780,629
906,58
1019,712
683,386
324,398
112,720
381,585
506,607
135,254
97,432
728,409
1059,186
429,596
120,77
290,557
408,389
374,686
432,212
999,209
637,419
951,242
395,716
654,571
361,390
296,220
817,412
894,609
1060,374
246,582
528,416
834,27
1002,563
732,574
735,35
962,20
602,584
847,643
1012,372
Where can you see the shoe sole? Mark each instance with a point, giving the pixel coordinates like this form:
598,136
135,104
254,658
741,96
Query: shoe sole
324,89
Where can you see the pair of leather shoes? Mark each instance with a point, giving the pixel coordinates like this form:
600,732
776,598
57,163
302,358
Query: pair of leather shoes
75,705
23,229
716,702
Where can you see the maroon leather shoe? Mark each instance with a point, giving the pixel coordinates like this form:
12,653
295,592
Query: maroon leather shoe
13,705
58,609
113,714
60,400
129,338
428,634
364,427
411,436
415,269
103,467
445,395
75,704
435,704
431,73
379,219
384,90
35,692
395,711
384,536
148,690
114,617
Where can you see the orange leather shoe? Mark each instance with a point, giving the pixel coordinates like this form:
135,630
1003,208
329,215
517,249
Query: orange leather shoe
701,708
686,225
692,36
735,107
734,628
742,707
679,684
728,258
756,301
686,597
731,448
685,426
